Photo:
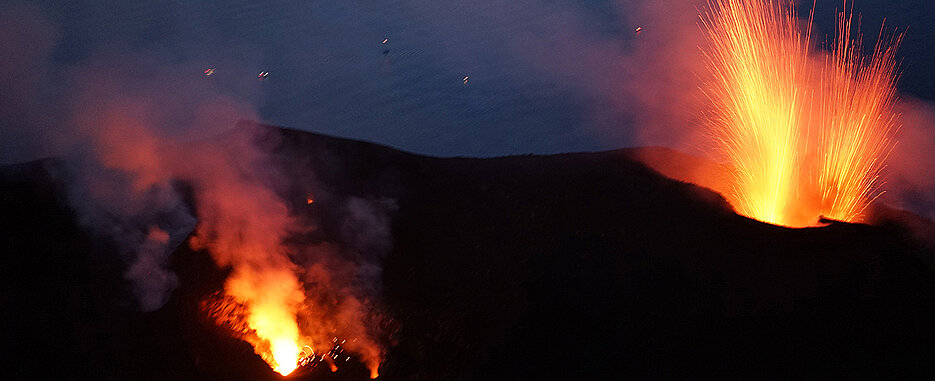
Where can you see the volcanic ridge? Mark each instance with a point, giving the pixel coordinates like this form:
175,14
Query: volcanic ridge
569,266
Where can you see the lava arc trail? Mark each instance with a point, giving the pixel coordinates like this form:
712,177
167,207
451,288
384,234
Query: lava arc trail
805,132
758,58
859,124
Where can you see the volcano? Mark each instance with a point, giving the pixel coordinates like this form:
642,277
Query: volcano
569,266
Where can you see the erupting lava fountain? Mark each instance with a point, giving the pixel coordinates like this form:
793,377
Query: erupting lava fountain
806,133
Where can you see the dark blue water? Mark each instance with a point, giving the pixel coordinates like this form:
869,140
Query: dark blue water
526,61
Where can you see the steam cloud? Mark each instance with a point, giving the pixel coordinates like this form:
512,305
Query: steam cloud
911,176
138,131
131,121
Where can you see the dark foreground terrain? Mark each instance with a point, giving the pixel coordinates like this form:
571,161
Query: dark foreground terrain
578,266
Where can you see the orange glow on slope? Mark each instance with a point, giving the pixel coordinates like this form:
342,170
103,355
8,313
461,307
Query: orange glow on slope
804,137
287,327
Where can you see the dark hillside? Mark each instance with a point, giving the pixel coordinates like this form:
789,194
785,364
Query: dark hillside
574,266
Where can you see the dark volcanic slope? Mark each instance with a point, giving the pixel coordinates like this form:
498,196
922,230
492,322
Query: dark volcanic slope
577,266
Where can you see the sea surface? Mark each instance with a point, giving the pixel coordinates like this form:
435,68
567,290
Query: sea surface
476,78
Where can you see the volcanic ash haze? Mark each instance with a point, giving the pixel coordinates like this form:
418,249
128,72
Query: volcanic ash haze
129,184
242,223
147,170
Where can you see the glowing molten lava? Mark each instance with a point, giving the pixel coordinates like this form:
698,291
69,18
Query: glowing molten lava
804,136
859,124
758,59
285,353
272,297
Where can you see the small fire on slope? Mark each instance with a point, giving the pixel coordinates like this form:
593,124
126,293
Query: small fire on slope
291,295
230,314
